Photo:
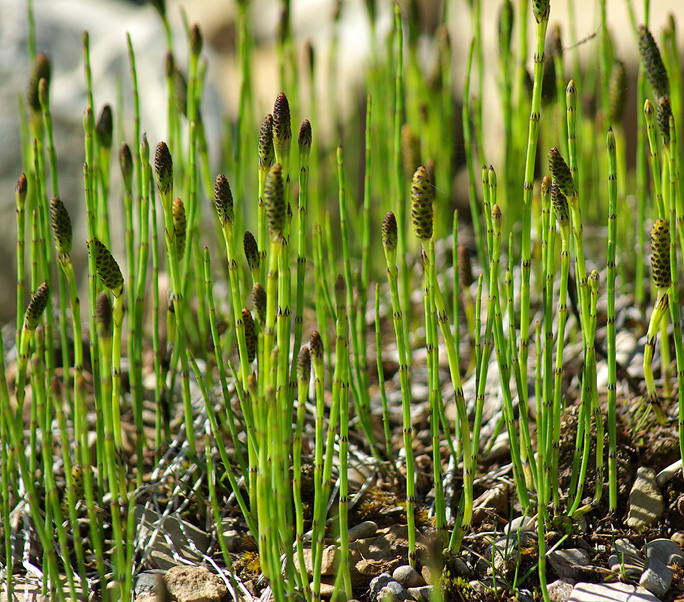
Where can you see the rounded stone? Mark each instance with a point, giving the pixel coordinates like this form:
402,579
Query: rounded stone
363,530
408,576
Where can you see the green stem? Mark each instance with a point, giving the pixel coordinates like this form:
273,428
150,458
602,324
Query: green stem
530,160
404,377
611,334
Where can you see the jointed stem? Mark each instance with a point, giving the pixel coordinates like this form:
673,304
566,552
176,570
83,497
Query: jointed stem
611,336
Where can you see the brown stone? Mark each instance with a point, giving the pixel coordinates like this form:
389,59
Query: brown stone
195,584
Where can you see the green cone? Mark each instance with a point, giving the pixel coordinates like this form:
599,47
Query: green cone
266,152
561,172
653,63
41,70
126,164
617,92
61,226
250,334
421,204
304,365
251,248
163,168
179,226
663,114
274,201
560,204
223,198
259,302
660,254
107,268
105,127
36,307
316,346
103,315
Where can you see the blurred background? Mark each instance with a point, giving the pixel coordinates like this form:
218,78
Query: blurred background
319,25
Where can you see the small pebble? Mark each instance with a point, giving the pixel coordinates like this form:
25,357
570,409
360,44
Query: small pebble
461,568
422,593
426,572
408,576
377,583
525,595
362,530
327,590
560,590
393,592
525,525
145,582
668,473
678,538
232,540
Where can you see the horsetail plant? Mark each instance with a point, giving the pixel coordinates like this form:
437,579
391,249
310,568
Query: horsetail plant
163,165
112,279
61,227
340,389
304,141
675,310
303,380
261,408
662,279
540,10
390,239
422,217
34,311
611,335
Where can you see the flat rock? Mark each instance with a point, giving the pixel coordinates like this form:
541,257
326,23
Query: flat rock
615,592
408,576
195,584
657,578
569,563
666,550
493,500
383,553
646,504
188,541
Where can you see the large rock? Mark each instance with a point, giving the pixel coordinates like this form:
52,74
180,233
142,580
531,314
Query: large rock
646,504
615,592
